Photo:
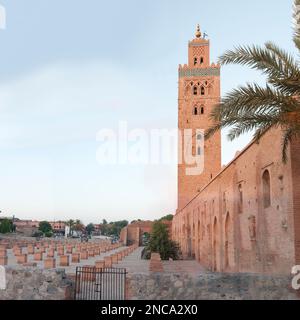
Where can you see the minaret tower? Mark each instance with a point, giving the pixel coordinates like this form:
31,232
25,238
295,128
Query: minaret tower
199,92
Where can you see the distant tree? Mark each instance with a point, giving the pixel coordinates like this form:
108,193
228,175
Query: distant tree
45,227
168,217
90,228
160,242
6,226
103,227
70,223
78,226
117,226
113,228
48,234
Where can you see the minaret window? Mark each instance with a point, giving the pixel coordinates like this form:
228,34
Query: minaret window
195,61
201,60
195,110
202,110
202,91
195,91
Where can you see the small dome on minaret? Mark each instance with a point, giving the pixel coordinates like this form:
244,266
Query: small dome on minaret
198,32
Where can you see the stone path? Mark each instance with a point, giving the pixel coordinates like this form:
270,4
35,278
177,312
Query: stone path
134,263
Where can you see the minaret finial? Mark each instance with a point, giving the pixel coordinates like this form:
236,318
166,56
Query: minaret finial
198,32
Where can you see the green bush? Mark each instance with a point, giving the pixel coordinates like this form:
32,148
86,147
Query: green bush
48,234
168,217
161,243
6,226
45,227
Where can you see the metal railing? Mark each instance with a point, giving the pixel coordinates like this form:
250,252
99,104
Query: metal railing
93,283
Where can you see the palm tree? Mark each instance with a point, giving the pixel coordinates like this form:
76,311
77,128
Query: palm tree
252,107
70,223
78,225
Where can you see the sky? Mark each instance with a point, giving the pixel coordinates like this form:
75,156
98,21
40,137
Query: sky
70,68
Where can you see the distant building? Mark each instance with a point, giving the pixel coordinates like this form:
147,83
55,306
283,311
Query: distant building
58,226
134,232
98,227
26,227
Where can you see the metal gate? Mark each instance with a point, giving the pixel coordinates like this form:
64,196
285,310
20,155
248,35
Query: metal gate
100,283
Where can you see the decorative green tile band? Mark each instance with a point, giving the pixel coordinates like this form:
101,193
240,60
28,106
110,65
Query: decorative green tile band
199,72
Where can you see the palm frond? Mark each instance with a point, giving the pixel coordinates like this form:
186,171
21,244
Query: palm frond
253,97
290,82
255,108
246,124
296,16
258,58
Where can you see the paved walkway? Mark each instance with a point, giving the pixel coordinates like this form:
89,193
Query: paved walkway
134,263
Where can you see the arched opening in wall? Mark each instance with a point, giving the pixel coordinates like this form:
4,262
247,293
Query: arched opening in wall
199,237
195,110
183,235
195,91
227,230
194,236
240,198
224,202
202,91
203,225
187,90
215,241
195,61
201,60
266,181
189,236
202,110
145,238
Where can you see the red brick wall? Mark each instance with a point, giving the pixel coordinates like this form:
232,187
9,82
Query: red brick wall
295,160
255,239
